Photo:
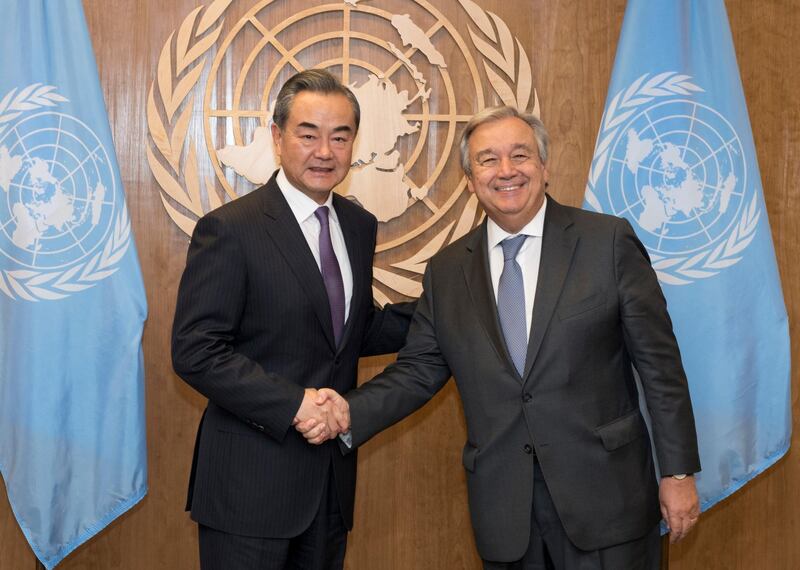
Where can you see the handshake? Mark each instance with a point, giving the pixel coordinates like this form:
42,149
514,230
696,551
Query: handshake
323,415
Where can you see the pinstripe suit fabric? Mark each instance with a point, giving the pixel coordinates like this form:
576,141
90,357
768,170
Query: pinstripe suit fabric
252,329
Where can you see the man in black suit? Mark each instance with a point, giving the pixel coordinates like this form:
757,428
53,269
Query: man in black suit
540,315
274,304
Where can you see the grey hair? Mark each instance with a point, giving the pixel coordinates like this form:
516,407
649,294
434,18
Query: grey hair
315,81
491,114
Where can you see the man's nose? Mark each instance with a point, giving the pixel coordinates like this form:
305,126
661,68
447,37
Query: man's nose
323,148
505,167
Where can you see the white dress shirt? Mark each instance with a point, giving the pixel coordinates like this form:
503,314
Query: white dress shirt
303,209
528,257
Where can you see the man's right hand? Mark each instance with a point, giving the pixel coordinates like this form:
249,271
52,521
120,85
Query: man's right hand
323,415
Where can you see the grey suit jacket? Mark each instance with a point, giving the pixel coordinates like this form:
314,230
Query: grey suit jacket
598,310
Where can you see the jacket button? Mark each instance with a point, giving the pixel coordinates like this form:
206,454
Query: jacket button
527,398
528,449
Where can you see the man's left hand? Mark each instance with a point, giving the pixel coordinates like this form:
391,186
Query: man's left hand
680,506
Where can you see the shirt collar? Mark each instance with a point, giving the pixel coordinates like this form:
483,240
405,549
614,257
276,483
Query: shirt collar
301,205
534,228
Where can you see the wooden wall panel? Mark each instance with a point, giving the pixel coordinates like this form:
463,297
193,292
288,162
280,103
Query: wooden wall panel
14,551
411,506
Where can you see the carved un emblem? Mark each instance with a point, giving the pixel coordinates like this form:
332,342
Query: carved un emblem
417,78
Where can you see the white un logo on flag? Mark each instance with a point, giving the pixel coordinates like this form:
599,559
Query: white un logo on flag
676,169
61,226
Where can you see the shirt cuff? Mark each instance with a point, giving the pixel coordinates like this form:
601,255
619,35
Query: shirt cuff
347,439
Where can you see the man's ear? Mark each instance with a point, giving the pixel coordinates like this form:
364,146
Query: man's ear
470,186
276,139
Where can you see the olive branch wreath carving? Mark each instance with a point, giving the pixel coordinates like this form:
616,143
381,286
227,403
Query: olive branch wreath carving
192,44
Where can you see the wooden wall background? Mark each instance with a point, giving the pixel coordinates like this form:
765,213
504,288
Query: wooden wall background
411,509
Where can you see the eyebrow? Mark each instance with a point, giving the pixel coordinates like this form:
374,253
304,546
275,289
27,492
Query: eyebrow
486,151
482,153
342,128
522,146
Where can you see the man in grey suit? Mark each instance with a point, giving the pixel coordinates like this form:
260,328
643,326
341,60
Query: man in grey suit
275,303
540,314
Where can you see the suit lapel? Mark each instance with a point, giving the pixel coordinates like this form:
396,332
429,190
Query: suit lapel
355,253
558,247
479,284
291,242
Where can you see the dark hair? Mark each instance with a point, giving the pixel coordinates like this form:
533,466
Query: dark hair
316,81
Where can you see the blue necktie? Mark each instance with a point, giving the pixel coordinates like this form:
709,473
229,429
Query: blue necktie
511,303
331,274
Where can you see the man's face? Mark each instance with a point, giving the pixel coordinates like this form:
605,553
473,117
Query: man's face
316,144
507,175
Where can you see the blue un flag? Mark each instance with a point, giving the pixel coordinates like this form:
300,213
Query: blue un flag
72,303
675,156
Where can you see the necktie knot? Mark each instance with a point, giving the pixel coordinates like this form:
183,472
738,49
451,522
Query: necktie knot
511,247
322,215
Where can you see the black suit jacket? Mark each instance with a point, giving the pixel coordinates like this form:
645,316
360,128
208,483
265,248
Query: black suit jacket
598,310
252,329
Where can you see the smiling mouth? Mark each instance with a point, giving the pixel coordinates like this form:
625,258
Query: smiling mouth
508,188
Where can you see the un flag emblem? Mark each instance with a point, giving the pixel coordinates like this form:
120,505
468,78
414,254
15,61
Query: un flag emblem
680,170
63,227
676,169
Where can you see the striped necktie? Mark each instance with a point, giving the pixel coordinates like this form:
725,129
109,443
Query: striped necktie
511,303
331,273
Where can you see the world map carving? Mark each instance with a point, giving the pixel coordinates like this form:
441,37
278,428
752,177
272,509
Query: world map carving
405,168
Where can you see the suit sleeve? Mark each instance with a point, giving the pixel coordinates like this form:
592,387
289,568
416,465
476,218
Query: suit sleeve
406,385
211,298
654,352
386,328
